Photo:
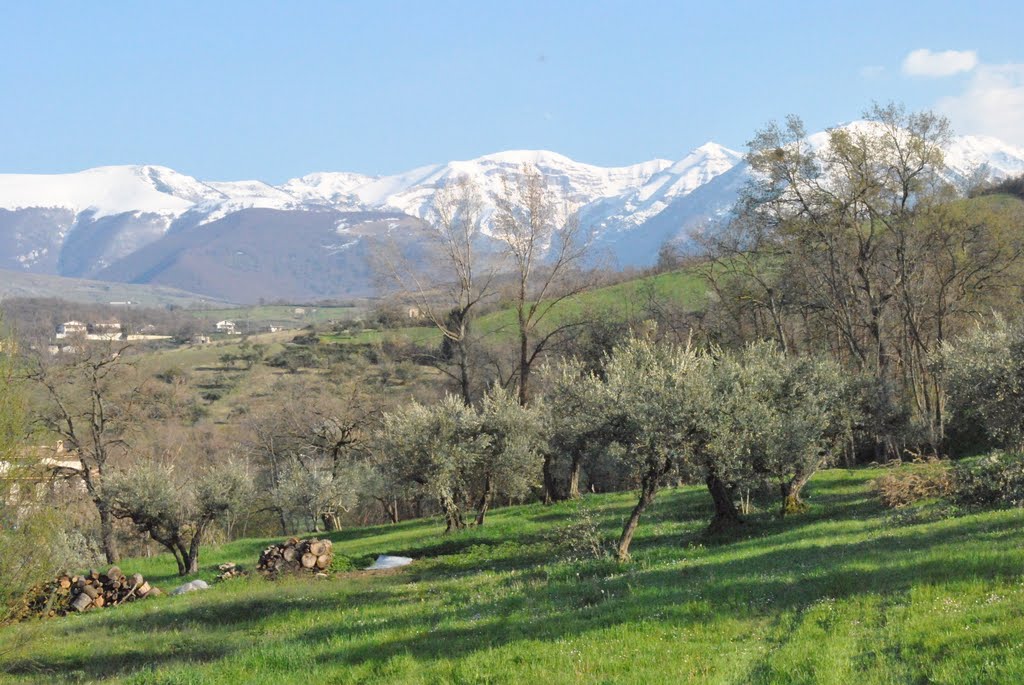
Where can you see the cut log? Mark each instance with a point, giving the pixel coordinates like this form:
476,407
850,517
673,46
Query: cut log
143,589
90,591
317,547
323,561
99,602
289,554
114,573
65,583
308,560
81,602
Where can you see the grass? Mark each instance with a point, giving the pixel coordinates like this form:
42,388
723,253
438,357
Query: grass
291,316
844,593
631,299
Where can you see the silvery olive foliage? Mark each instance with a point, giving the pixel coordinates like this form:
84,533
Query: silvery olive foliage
983,373
175,508
462,457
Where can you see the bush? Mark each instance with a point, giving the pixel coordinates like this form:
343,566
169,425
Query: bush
912,483
995,480
580,538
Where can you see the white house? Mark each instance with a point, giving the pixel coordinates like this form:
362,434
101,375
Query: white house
228,327
70,329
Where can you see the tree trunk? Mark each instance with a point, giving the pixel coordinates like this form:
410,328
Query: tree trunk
574,477
550,483
791,502
452,514
647,492
331,522
485,502
107,534
464,383
524,365
726,515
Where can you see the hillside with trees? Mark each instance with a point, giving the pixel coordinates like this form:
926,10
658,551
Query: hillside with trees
798,452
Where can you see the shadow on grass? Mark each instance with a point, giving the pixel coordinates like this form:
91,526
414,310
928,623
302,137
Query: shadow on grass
91,667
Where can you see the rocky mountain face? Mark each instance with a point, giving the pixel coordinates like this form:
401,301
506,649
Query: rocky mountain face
313,237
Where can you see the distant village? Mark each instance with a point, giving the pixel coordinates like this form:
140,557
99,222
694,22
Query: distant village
69,335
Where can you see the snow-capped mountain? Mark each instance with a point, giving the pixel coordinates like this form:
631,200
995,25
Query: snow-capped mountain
153,224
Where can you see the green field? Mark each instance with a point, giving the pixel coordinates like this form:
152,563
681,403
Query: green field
292,316
624,301
846,593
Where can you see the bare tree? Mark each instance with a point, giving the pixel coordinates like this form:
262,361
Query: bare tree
91,400
547,260
449,286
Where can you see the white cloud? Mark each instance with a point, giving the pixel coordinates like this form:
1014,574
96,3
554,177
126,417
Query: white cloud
992,104
927,63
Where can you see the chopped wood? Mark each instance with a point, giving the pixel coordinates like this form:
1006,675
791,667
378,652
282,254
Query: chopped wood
296,556
81,603
66,594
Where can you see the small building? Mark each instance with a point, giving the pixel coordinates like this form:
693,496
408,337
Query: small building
70,329
414,313
228,327
107,330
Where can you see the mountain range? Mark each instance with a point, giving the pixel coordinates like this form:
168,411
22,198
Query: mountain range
312,237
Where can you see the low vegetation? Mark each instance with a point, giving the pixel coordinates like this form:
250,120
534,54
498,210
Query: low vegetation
835,595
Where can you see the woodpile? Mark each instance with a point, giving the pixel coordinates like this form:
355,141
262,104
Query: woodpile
296,556
93,590
230,570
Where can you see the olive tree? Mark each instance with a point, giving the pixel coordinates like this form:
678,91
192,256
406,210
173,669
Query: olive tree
659,394
983,373
312,451
777,420
580,423
510,464
175,508
432,450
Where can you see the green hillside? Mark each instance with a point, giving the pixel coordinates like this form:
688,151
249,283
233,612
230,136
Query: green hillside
847,593
684,289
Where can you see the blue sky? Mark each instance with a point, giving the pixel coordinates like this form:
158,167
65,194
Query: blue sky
272,90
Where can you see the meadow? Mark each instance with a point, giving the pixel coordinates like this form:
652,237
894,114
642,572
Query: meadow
846,592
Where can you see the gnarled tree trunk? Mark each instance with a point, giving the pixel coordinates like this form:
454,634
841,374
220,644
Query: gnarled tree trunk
726,515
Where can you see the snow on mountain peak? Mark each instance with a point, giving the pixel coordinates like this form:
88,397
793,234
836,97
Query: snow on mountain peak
105,190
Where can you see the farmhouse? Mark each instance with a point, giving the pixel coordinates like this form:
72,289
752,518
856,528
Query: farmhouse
70,329
228,327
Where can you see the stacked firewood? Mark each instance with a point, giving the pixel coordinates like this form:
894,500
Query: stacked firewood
92,590
230,570
295,555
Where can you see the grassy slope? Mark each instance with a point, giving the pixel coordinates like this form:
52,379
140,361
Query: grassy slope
20,284
620,301
841,594
280,314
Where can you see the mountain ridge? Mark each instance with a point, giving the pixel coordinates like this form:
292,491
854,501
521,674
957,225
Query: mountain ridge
112,222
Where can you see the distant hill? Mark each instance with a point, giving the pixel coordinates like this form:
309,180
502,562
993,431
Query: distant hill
18,284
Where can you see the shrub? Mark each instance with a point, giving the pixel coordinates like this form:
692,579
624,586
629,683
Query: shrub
995,480
580,537
912,483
